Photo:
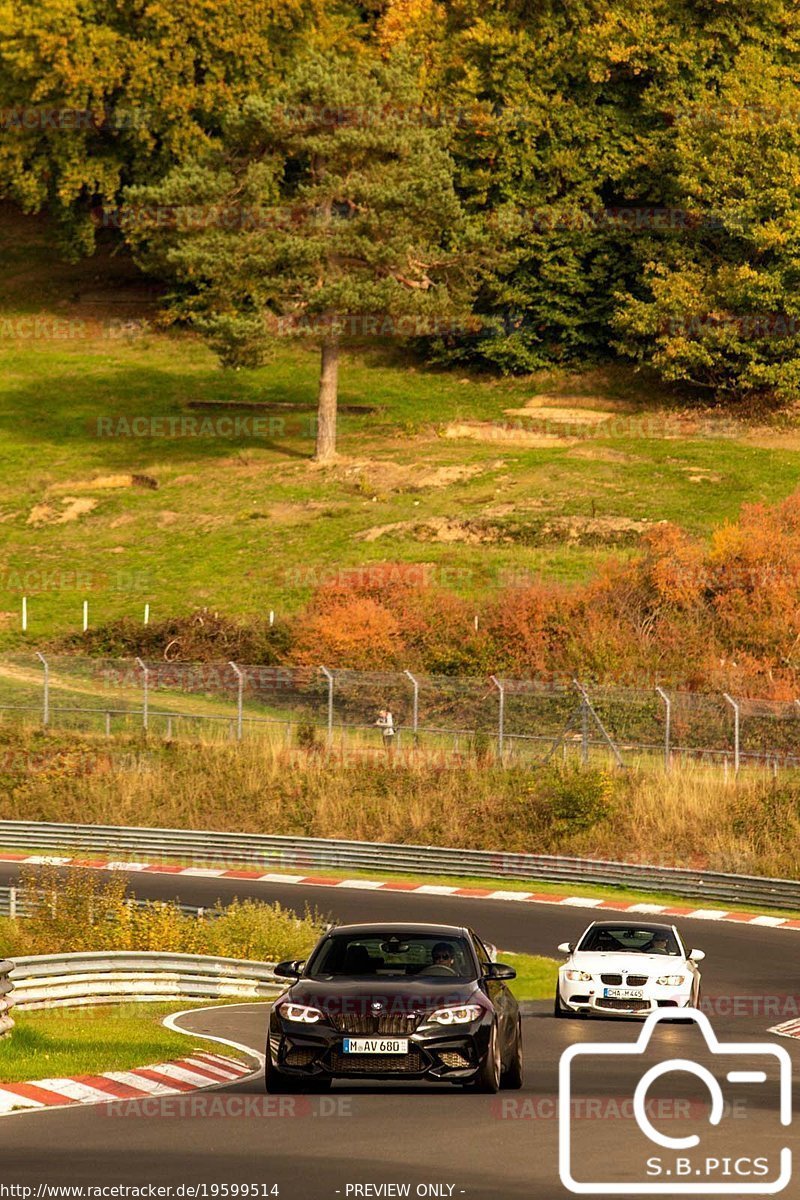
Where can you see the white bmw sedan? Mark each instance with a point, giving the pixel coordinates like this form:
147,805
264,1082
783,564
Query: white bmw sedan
624,969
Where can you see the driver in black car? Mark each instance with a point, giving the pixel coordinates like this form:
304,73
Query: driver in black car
442,961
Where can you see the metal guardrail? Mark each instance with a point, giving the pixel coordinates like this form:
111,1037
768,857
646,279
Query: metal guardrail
267,852
6,1023
61,980
15,903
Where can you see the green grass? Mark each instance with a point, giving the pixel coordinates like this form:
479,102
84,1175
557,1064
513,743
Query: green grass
536,976
84,1041
247,523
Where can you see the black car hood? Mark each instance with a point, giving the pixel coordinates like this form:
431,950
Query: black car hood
393,995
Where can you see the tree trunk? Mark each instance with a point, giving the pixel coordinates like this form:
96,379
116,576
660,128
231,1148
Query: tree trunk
326,407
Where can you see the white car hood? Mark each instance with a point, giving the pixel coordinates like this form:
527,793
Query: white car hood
634,964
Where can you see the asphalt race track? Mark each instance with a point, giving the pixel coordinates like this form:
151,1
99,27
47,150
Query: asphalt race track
464,1144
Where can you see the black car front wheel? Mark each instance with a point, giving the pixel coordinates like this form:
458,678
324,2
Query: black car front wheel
278,1084
513,1074
558,1008
487,1079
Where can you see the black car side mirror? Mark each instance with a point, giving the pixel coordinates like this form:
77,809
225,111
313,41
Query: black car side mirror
498,970
288,970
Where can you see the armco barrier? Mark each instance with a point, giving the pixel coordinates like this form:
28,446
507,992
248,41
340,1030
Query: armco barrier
266,853
6,986
16,903
61,980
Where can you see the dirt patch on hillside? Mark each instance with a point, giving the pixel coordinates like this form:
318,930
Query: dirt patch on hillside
503,529
446,530
560,415
287,513
601,454
72,508
102,483
384,476
507,434
592,530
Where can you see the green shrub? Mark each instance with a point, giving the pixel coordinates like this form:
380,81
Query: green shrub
579,799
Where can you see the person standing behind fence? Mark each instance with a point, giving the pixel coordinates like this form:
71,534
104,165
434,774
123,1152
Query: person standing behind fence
385,723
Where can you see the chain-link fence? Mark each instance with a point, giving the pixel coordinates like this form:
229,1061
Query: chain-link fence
510,720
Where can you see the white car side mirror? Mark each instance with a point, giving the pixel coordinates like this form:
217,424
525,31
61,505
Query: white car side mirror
565,947
697,955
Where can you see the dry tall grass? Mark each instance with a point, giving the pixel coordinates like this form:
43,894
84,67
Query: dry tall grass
692,817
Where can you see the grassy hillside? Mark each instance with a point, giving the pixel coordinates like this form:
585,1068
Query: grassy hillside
482,480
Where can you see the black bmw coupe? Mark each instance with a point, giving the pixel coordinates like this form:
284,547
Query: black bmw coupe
397,1002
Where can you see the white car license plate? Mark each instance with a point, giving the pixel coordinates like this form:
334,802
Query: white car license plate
623,993
375,1046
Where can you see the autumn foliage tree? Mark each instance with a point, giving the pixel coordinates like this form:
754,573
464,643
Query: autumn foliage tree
94,96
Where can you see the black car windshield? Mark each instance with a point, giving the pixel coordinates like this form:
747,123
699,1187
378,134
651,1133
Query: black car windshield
392,955
634,938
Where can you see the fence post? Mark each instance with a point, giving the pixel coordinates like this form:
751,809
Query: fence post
329,678
734,705
667,726
239,699
145,694
46,699
12,903
501,714
85,615
415,714
584,727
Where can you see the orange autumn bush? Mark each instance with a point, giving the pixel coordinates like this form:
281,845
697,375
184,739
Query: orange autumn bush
718,616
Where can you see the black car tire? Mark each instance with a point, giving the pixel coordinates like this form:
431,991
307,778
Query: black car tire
512,1077
488,1078
558,1007
278,1084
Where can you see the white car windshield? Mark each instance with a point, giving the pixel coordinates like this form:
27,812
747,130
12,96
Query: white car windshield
623,939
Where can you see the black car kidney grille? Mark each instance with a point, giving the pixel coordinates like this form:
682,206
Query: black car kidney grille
373,1064
637,980
370,1023
612,980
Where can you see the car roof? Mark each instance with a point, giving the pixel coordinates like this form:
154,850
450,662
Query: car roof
404,927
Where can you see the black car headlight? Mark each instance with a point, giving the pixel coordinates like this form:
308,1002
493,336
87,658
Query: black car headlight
458,1014
303,1014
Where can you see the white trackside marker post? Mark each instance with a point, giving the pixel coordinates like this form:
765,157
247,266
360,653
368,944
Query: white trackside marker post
24,614
147,614
85,615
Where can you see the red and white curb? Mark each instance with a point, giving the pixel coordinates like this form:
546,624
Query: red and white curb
790,1029
196,1071
765,920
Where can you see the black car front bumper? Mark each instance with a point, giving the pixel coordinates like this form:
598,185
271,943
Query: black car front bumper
434,1052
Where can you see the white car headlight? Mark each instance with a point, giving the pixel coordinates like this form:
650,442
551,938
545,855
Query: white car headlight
299,1012
671,980
577,976
461,1014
